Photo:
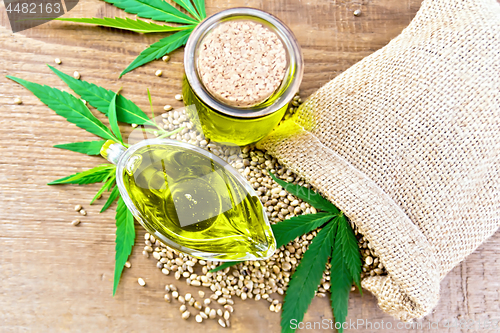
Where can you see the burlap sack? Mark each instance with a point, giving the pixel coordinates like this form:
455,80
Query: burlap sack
407,143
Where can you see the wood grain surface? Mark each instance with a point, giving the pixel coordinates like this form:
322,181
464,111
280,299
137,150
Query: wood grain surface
58,278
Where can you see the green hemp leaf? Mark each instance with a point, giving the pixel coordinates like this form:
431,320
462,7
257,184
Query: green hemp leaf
116,108
107,185
158,10
100,98
125,237
115,193
68,106
313,198
113,119
85,147
307,277
157,50
127,24
94,175
340,283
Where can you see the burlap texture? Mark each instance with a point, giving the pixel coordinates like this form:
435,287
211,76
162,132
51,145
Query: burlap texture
407,143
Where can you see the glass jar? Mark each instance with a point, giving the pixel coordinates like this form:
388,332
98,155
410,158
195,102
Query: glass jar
221,122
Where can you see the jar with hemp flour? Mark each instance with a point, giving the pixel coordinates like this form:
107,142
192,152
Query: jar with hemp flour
243,66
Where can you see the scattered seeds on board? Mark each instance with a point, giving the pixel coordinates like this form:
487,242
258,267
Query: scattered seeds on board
58,61
222,322
159,73
167,298
185,315
179,97
75,222
76,75
83,212
199,318
18,100
128,264
78,208
141,282
165,58
357,12
167,108
260,280
134,125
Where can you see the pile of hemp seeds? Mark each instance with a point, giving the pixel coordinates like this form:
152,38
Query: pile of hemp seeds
258,280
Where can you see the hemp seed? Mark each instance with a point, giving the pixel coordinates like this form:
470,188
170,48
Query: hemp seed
185,315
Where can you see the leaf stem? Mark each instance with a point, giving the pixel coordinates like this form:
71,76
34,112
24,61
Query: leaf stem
151,104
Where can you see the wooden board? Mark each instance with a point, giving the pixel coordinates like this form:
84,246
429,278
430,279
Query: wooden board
58,278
